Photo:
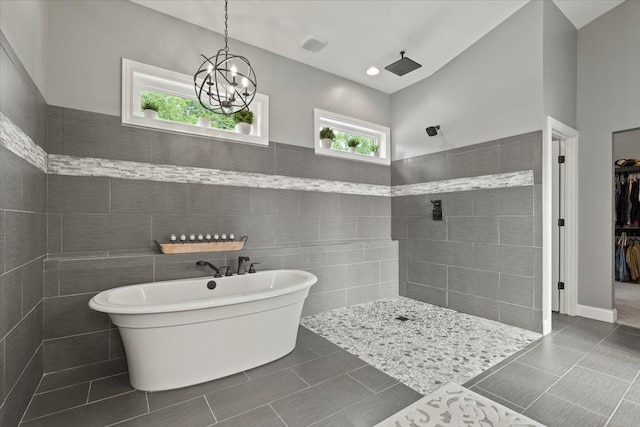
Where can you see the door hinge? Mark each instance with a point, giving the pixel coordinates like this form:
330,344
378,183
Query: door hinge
560,285
560,159
560,222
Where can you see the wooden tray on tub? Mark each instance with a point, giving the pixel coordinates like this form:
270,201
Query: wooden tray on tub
192,247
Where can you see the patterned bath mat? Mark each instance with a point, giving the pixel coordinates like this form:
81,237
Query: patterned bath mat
456,406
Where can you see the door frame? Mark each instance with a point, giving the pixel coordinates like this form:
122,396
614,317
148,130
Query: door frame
558,129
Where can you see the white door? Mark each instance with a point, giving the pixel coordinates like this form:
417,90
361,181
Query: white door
559,231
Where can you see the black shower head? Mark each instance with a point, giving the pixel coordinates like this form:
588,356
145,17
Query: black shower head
403,66
433,130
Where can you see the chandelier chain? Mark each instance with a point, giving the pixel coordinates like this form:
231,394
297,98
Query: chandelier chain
226,31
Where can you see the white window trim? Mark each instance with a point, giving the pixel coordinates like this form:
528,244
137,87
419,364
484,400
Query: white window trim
381,134
171,82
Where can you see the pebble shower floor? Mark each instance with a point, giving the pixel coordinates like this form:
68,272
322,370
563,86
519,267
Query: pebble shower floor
433,347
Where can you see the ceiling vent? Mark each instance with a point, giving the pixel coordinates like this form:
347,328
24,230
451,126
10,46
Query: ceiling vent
313,44
403,66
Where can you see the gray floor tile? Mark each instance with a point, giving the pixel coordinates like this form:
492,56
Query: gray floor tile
555,412
162,399
320,401
97,414
613,362
244,397
594,327
299,355
551,358
327,367
634,392
58,400
623,341
518,383
264,416
497,399
374,409
372,378
193,413
629,330
574,340
593,390
111,386
627,414
82,374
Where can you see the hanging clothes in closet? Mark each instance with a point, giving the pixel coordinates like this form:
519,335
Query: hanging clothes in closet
627,259
627,201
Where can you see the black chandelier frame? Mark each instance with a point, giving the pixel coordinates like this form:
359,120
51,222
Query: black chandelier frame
221,86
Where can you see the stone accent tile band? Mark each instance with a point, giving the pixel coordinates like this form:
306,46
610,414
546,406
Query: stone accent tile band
500,180
87,166
14,139
19,143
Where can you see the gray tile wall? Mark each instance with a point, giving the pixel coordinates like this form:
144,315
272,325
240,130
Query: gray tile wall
101,230
484,258
86,134
74,335
23,244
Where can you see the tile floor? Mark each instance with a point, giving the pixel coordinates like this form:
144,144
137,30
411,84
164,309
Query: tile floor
317,384
586,373
628,304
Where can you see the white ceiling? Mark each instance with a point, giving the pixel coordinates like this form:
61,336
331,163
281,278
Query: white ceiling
362,33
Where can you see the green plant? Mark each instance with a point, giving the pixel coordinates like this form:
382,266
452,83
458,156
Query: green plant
327,133
243,116
352,142
149,105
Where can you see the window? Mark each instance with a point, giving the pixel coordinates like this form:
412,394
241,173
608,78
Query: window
179,109
367,136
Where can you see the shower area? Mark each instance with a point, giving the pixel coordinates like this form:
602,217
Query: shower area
469,226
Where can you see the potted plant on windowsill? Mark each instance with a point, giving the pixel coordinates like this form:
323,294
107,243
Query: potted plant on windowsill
204,121
150,109
352,143
326,137
375,152
244,120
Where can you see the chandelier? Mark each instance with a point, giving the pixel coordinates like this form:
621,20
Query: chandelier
225,83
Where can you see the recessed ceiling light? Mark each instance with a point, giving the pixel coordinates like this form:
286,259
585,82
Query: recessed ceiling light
373,71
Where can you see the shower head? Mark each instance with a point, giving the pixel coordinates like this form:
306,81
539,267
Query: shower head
433,130
403,66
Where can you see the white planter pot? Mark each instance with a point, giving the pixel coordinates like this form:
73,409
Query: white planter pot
244,128
204,122
150,114
374,154
326,142
352,149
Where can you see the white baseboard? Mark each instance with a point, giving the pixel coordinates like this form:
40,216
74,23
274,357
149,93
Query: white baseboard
603,314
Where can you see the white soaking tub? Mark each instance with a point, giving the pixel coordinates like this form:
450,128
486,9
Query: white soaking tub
180,332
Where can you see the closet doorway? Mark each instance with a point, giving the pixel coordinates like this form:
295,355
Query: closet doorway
626,154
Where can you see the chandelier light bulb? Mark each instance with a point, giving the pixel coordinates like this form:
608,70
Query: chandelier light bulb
234,71
245,82
209,68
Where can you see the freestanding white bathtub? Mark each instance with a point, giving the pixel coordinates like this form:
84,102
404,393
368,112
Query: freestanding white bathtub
180,332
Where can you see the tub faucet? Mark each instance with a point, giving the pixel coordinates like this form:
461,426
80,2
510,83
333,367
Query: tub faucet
241,260
211,266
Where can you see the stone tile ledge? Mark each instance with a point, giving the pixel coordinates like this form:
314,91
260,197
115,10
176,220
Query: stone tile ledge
14,139
19,143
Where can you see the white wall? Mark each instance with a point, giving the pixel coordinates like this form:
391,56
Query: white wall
24,24
560,62
88,38
626,145
608,101
492,90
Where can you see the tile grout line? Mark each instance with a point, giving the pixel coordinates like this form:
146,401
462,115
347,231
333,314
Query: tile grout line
82,382
622,400
570,369
276,412
577,404
89,391
30,400
210,409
